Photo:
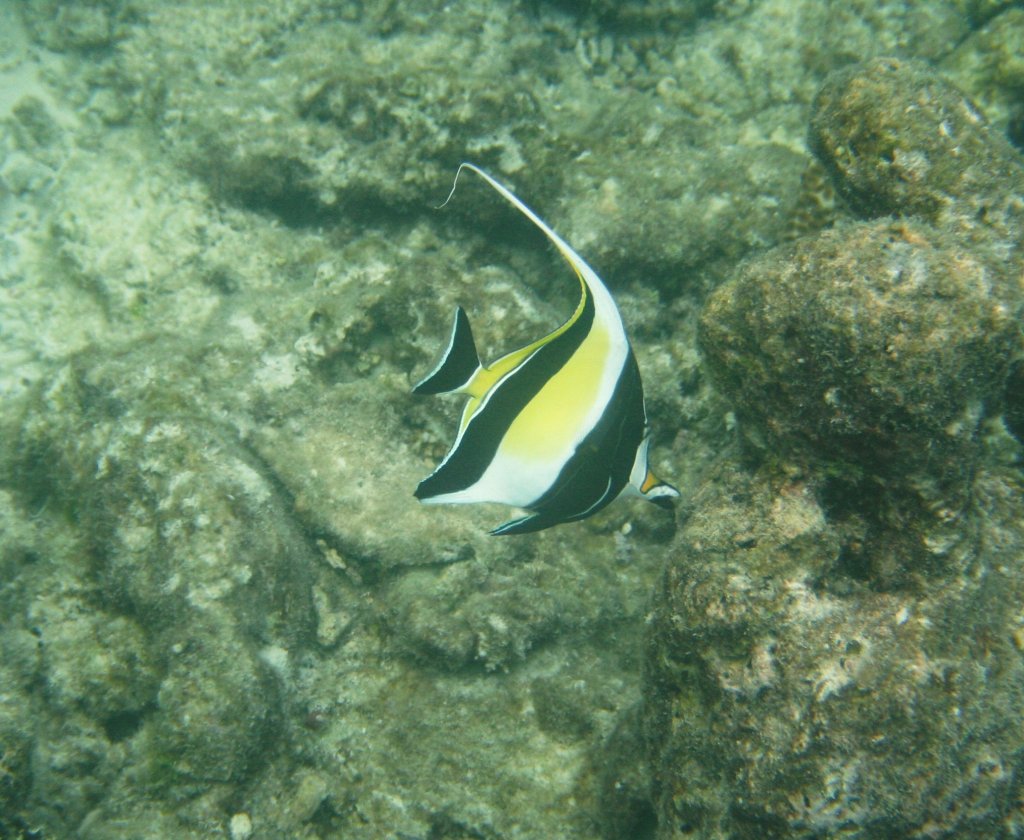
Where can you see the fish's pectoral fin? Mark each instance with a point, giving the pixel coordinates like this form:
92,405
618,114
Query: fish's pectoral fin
525,525
458,365
657,491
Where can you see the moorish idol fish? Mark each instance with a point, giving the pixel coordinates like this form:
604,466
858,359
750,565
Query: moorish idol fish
559,427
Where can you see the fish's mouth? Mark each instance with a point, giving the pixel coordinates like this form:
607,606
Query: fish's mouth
658,492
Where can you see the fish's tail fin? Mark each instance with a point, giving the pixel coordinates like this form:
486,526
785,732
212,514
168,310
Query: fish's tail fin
459,364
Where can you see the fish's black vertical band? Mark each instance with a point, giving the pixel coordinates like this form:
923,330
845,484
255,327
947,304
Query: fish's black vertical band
600,467
486,429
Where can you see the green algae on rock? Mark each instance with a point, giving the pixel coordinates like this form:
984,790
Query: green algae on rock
116,683
874,343
183,540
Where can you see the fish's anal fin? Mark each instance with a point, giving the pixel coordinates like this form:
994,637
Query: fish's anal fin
459,364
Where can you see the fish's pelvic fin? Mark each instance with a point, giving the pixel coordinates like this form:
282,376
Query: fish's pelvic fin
459,364
525,525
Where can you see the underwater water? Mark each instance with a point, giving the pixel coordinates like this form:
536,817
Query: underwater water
223,268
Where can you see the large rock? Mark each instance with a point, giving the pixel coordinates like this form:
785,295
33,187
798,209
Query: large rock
787,698
899,139
875,352
878,350
836,646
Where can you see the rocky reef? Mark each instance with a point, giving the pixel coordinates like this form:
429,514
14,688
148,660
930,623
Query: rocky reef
222,613
837,642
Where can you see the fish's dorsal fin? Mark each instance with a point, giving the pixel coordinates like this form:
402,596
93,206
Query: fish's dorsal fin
590,284
574,259
459,364
587,276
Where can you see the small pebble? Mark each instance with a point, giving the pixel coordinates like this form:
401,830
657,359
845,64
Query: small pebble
241,826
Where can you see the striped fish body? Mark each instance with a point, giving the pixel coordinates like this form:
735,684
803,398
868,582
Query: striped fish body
557,427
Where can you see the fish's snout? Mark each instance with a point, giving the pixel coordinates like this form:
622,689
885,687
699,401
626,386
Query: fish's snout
658,492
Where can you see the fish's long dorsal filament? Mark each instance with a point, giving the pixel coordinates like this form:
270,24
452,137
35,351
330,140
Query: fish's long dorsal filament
455,183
